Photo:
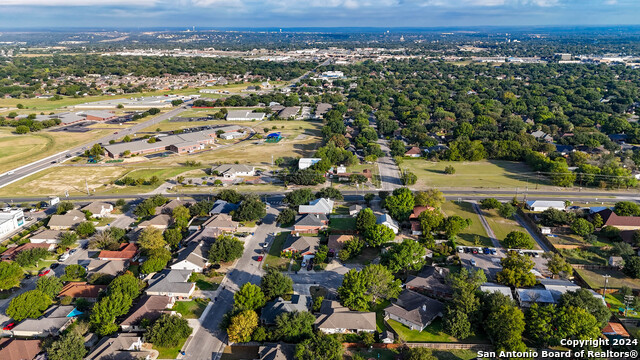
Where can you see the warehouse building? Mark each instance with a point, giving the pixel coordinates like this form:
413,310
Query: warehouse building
180,143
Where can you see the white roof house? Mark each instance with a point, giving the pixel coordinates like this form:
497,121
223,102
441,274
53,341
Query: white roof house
388,221
317,206
497,288
542,205
244,115
528,297
306,163
558,287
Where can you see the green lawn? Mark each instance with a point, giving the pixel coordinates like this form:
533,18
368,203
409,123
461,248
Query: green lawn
479,174
169,352
342,223
273,258
617,302
365,258
432,333
190,309
205,283
465,210
161,173
379,310
595,279
583,256
501,226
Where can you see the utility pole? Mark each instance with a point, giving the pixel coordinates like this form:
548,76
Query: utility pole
606,281
86,184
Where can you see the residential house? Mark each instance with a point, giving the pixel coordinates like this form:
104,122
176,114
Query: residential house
305,246
336,242
616,261
417,210
11,252
321,109
337,319
18,349
230,171
305,163
150,308
191,257
497,288
289,112
431,281
615,331
122,346
127,251
277,352
106,267
609,218
174,283
161,222
222,207
52,322
542,205
355,209
279,306
81,290
416,227
67,221
413,152
318,206
222,222
168,207
311,223
46,236
388,221
528,297
558,287
98,209
414,310
541,135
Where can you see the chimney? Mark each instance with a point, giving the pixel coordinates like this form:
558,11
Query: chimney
424,307
440,271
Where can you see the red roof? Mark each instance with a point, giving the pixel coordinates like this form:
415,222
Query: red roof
126,251
17,349
615,329
612,219
81,290
11,252
419,210
414,151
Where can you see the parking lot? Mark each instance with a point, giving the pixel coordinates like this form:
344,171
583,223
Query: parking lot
490,262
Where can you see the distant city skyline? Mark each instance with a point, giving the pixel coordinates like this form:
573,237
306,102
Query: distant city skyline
26,14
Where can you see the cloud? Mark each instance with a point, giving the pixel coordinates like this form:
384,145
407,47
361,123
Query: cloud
79,2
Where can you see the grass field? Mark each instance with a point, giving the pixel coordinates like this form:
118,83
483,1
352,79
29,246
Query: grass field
273,258
501,227
169,352
583,256
617,302
161,173
480,174
240,352
432,333
595,279
342,223
465,210
189,309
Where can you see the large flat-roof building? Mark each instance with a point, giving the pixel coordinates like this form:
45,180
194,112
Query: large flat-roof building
10,221
244,115
146,102
179,143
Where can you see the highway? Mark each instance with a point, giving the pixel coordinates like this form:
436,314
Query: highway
36,166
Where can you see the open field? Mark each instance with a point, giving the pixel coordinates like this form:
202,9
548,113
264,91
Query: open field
595,279
178,125
501,226
432,333
273,258
190,309
17,150
465,210
479,174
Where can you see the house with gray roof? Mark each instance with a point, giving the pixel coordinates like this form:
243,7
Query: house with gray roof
431,281
386,220
222,207
174,283
289,112
337,319
122,346
230,171
414,310
496,288
191,257
279,306
311,223
148,307
46,236
106,267
306,246
99,209
318,206
557,287
52,322
161,222
277,352
67,221
528,297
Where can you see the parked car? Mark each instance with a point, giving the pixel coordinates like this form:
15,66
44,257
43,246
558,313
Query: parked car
304,263
461,249
54,265
9,326
85,246
474,250
260,258
64,257
45,272
309,266
473,262
265,245
72,251
486,251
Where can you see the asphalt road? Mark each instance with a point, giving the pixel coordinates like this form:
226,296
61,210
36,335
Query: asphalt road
36,166
209,341
389,171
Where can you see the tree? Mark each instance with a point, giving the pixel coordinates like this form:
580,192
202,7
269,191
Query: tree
431,197
361,288
168,331
74,272
632,266
126,284
30,304
408,255
226,248
506,211
250,209
298,197
626,208
68,238
22,129
400,204
622,249
230,195
249,297
409,178
518,240
597,221
49,285
368,198
454,224
330,193
539,320
293,327
418,353
181,216
378,234
320,347
457,324
286,216
575,323
490,203
516,270
242,326
156,261
582,227
64,206
430,221
557,264
449,170
365,219
10,275
70,346
151,238
275,284
505,327
31,256
173,236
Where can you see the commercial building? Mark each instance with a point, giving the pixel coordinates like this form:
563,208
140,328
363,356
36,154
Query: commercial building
179,143
10,221
161,102
244,115
230,171
305,163
542,205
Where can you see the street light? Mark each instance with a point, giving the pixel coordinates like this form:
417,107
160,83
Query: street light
606,281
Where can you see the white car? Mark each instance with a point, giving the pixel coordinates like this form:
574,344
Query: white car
64,257
473,262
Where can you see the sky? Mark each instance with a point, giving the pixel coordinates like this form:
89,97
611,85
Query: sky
38,14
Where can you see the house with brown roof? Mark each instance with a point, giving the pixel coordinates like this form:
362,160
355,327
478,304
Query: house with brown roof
81,289
127,251
305,246
610,218
336,242
67,221
18,349
222,222
337,319
615,331
12,252
106,267
98,209
413,152
46,236
417,210
150,308
168,207
161,222
121,347
431,281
